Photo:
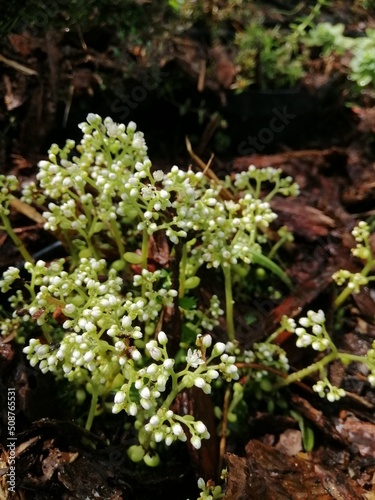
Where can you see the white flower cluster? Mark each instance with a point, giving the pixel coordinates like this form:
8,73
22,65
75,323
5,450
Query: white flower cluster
158,385
204,320
148,279
361,232
232,231
98,339
15,325
354,280
8,184
363,251
9,277
97,319
326,390
250,181
269,355
318,338
109,189
83,189
90,297
79,356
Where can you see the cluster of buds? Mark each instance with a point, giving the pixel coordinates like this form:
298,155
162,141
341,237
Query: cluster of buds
157,385
9,184
325,389
318,338
362,250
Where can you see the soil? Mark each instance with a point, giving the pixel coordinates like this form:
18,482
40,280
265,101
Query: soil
320,135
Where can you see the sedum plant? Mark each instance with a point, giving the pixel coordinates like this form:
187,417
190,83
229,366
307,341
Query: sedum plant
265,369
312,332
97,316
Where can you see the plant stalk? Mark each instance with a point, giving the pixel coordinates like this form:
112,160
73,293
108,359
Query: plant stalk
229,301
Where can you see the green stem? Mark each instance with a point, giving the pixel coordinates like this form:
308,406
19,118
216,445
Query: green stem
274,335
118,238
274,191
351,358
145,240
181,291
296,376
92,411
229,301
16,240
177,387
276,246
31,289
46,333
172,395
306,22
89,244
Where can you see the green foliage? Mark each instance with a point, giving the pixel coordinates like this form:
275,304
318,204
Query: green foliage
329,38
267,58
275,58
306,431
272,58
362,64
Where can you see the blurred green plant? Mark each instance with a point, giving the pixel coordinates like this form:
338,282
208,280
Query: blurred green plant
362,64
272,58
267,58
329,38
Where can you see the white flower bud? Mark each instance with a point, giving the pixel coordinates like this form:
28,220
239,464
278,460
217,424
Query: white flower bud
88,356
119,397
69,308
206,341
196,442
200,427
145,393
162,338
154,420
146,405
177,429
199,382
136,355
317,329
168,364
218,349
158,436
304,322
133,410
168,440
